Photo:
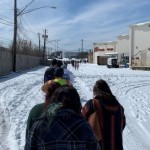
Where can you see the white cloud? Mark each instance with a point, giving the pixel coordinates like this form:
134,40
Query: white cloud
98,21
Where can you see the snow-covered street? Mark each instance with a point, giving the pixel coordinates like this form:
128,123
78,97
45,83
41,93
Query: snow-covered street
19,92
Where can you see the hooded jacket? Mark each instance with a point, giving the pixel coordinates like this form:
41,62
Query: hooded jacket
111,119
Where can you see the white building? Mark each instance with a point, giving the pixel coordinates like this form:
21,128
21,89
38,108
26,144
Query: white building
101,49
119,49
69,54
139,45
122,48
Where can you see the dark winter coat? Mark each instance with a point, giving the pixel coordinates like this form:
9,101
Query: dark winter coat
49,74
35,112
67,131
111,120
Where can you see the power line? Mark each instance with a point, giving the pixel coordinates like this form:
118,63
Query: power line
88,41
25,7
56,45
34,9
6,23
24,34
5,39
16,15
71,43
5,16
73,50
28,26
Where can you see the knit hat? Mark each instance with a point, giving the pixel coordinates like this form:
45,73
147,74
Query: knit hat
59,72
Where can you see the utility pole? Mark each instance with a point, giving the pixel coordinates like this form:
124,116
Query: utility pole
30,44
15,36
39,41
55,46
81,47
16,14
45,36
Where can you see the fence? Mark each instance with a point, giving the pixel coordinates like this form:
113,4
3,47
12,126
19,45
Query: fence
22,62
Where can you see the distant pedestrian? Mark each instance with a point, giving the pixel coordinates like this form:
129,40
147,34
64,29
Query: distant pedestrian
62,127
77,65
110,120
72,63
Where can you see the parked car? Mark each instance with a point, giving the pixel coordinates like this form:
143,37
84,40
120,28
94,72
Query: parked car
112,63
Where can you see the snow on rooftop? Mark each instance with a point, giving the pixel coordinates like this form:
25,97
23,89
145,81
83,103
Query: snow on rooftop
104,43
140,24
123,35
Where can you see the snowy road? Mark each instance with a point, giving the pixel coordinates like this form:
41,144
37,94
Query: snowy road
20,91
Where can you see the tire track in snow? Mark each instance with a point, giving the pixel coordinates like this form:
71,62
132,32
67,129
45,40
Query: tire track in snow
82,89
132,94
24,109
4,129
18,106
124,89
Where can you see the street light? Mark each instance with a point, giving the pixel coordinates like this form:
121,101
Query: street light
22,12
31,10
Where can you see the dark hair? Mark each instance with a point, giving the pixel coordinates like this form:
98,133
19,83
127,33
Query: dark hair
69,97
59,63
51,89
54,62
101,87
59,72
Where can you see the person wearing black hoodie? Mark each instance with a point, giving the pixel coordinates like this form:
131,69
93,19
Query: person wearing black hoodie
49,73
110,116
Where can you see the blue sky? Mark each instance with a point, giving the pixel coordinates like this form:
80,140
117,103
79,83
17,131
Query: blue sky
73,20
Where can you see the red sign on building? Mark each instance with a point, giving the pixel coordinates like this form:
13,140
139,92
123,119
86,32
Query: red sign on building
109,49
96,49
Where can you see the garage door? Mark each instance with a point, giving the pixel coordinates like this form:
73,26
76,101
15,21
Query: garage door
102,60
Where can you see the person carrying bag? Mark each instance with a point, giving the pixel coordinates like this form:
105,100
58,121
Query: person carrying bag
106,116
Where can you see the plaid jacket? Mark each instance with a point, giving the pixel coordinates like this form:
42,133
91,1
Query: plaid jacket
68,131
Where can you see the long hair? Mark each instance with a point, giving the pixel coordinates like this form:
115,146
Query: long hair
51,89
69,97
101,88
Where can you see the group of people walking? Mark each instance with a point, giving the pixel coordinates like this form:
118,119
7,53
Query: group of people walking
75,64
61,123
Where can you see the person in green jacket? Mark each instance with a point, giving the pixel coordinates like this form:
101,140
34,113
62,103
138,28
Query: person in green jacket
38,109
58,73
49,87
